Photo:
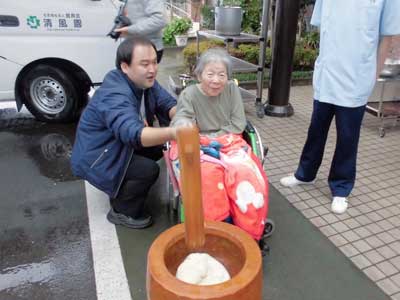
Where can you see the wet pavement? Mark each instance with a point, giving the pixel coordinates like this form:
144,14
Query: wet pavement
45,250
53,243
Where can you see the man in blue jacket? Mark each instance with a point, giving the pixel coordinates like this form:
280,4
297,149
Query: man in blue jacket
116,145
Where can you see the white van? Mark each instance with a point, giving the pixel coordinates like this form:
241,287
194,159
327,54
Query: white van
53,51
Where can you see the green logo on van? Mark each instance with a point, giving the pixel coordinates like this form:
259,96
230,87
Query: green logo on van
33,22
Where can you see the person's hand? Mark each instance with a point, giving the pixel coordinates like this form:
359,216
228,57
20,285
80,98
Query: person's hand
173,132
122,30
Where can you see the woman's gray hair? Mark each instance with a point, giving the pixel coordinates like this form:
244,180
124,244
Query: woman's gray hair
215,55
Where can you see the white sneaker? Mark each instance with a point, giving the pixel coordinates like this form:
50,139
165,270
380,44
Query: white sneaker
291,181
339,205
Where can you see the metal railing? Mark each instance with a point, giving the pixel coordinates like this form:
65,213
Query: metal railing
178,8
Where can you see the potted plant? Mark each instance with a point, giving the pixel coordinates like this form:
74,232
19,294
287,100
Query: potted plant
228,17
177,31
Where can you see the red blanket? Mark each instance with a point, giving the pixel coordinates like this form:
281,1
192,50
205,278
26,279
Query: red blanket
234,185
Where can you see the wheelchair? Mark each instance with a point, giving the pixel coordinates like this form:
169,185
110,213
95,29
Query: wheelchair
250,135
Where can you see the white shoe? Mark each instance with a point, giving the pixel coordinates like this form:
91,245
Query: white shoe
339,205
291,181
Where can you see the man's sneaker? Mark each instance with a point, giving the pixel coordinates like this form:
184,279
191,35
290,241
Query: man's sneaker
120,219
291,181
339,205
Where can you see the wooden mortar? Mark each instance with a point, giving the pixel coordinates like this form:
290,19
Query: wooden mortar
234,248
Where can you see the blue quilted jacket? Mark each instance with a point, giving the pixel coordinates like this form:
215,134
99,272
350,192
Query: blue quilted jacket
110,130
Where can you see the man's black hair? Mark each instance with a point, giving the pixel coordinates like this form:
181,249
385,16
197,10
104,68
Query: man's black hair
125,50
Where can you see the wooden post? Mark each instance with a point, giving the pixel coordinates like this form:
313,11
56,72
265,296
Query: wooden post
189,156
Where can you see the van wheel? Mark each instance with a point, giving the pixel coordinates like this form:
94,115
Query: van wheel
51,94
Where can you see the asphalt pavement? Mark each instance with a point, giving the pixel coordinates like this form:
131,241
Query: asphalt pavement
45,249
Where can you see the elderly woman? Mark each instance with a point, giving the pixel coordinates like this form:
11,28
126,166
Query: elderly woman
215,103
234,186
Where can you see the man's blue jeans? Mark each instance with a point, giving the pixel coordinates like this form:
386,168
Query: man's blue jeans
343,168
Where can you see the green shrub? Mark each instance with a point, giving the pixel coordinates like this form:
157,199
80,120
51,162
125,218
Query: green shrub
246,52
303,59
190,51
208,17
243,77
252,16
310,40
302,74
251,53
177,26
232,3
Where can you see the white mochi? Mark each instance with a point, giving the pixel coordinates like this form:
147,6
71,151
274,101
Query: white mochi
202,269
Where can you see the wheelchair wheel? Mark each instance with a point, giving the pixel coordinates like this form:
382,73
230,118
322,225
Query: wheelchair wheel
252,137
174,200
264,247
268,229
175,214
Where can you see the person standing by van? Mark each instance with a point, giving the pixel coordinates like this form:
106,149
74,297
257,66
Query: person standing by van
354,42
148,20
116,146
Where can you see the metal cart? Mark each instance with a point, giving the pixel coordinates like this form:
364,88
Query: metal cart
385,108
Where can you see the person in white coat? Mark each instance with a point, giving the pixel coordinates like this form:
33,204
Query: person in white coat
354,40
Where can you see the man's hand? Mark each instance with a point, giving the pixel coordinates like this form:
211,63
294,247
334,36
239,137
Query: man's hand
122,30
173,133
157,136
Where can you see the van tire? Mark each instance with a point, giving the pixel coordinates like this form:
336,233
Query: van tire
51,94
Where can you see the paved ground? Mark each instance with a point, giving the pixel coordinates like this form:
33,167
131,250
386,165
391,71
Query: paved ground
45,249
56,244
302,263
369,233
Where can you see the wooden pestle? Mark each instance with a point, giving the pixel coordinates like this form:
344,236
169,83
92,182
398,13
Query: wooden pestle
189,156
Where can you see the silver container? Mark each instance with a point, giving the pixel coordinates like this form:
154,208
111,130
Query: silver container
228,20
391,68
